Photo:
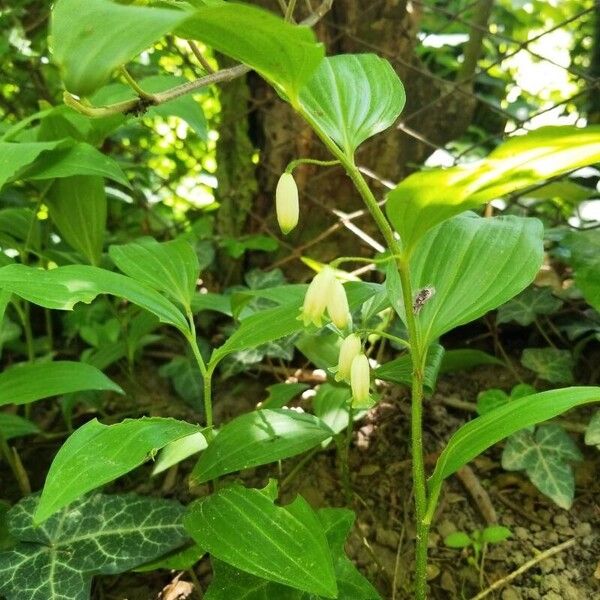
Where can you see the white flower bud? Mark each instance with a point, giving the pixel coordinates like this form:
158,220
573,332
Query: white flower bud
337,305
286,203
349,350
317,295
360,381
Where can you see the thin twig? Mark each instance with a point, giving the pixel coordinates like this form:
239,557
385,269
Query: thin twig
522,569
472,484
200,57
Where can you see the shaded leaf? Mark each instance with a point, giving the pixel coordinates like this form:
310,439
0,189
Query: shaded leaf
14,157
96,454
97,535
14,426
22,384
527,305
585,259
592,432
466,358
551,364
282,393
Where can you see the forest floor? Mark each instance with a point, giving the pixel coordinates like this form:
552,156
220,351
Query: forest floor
381,543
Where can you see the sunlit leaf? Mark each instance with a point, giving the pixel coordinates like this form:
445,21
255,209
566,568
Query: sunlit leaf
96,454
352,97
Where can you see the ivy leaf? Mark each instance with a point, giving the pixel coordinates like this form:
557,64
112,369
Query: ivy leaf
545,457
229,582
186,379
526,306
97,535
551,364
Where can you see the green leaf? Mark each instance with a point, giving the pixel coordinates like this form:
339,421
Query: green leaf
13,426
96,535
530,303
331,404
284,54
77,159
77,207
91,38
400,369
186,378
282,393
169,267
475,264
592,432
490,400
585,259
495,534
63,287
551,364
427,198
258,438
545,457
14,157
479,434
180,560
29,382
243,528
466,358
458,539
178,450
96,454
352,97
229,582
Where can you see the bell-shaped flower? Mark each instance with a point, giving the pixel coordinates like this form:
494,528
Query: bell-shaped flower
360,380
337,305
286,203
349,350
317,297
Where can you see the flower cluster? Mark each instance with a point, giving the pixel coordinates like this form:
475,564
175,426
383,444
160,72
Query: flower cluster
326,293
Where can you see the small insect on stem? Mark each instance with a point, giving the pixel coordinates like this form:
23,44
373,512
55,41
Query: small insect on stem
422,298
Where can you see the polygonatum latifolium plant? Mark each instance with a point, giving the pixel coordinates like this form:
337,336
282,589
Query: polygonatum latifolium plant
445,266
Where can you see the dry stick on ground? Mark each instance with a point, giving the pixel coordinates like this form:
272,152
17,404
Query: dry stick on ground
470,481
523,568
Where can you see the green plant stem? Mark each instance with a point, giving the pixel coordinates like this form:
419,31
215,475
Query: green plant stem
418,354
346,454
384,334
310,161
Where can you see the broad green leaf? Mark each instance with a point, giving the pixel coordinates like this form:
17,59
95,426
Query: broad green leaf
545,456
77,207
21,224
169,267
282,393
96,454
63,287
284,54
352,97
399,370
178,450
77,159
186,378
551,364
229,582
91,38
466,358
14,157
494,398
527,305
180,560
479,434
427,198
285,544
474,264
99,535
258,438
29,382
331,404
321,348
14,426
585,259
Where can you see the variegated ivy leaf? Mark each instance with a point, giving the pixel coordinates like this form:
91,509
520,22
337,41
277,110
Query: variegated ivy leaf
545,456
96,535
527,305
551,364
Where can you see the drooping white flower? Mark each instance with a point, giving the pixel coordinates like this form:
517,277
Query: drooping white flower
337,305
317,297
360,380
349,350
286,203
